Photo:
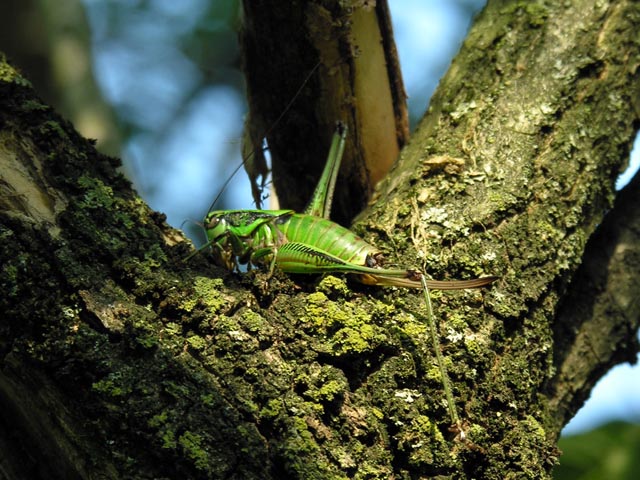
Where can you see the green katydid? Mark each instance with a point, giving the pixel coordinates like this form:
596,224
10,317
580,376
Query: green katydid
311,243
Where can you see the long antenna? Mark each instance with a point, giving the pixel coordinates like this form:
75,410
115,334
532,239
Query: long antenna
268,132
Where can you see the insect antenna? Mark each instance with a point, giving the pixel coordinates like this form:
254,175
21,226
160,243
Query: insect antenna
201,225
267,133
191,220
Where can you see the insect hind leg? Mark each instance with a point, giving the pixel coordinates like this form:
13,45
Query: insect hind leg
446,383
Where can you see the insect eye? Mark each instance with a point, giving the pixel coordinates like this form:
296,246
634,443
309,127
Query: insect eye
211,222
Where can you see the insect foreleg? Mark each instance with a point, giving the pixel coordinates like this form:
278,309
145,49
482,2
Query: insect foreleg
264,255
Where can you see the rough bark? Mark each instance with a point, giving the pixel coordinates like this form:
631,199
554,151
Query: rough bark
120,360
538,112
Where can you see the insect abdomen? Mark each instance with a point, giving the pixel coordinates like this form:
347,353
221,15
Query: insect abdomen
328,236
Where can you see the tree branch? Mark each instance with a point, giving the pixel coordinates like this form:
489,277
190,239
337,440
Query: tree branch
597,321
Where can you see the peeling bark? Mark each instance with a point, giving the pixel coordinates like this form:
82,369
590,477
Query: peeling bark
309,65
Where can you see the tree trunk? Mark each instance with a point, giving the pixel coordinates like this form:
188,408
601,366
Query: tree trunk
118,359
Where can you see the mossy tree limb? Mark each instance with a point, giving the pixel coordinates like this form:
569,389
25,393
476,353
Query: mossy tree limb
118,359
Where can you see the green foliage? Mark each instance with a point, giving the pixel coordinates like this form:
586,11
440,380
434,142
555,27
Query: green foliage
610,452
